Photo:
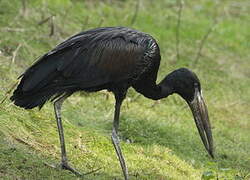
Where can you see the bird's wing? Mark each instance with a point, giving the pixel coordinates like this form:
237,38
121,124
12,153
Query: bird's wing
87,59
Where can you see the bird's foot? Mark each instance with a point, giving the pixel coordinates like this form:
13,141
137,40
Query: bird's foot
66,166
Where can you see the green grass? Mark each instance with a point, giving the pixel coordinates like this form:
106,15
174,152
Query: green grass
159,140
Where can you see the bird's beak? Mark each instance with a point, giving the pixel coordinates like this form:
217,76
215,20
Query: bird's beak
200,114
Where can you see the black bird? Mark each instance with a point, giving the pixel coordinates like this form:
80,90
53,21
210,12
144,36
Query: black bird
111,58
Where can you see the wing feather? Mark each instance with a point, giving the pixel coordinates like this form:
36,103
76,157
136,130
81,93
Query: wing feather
88,59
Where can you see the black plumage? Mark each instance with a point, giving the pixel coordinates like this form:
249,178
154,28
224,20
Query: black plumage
92,60
112,58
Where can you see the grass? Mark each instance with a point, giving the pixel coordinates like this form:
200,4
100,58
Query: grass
159,140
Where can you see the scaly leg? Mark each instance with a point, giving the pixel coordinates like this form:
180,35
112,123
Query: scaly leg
64,161
115,138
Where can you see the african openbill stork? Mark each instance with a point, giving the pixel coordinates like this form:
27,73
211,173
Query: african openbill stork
111,58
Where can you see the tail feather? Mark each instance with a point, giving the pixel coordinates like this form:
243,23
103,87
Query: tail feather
29,100
40,83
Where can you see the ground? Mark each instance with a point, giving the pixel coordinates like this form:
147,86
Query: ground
159,139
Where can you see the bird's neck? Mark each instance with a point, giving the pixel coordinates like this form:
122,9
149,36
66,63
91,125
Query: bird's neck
154,91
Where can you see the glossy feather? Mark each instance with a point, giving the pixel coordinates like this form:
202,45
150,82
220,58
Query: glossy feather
97,59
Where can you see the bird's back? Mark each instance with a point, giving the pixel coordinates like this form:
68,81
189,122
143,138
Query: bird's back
92,60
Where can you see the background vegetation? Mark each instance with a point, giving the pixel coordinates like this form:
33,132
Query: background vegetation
159,139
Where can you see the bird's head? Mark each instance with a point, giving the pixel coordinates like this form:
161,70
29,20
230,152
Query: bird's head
186,84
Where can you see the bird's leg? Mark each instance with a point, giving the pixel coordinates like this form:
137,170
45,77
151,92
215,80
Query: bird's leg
64,161
115,138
